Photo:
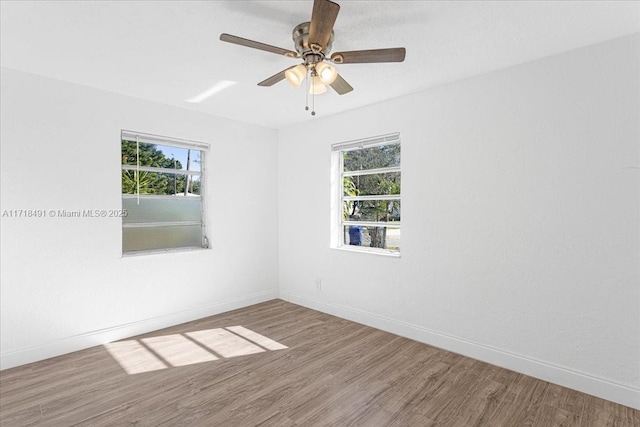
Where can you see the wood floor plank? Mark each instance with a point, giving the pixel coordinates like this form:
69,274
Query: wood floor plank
326,371
602,413
552,416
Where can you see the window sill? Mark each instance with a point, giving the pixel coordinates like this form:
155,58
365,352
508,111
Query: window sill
162,251
364,250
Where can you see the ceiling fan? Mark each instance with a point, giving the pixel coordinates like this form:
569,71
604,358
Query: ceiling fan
313,41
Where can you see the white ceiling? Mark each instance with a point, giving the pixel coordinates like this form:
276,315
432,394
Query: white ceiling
169,51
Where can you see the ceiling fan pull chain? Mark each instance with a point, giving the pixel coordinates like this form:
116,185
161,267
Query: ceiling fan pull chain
313,92
306,92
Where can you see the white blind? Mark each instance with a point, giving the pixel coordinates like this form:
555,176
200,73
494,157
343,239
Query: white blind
367,142
162,140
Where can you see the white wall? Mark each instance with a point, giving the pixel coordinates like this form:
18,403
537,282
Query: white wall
65,284
521,239
520,242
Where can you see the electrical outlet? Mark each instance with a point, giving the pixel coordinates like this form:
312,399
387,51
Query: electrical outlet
318,285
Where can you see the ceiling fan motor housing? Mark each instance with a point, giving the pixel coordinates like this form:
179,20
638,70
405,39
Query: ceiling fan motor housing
310,54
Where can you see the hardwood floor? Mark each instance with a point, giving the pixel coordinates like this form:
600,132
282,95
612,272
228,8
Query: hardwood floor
333,373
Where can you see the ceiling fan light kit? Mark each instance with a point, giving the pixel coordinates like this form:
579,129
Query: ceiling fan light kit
317,87
313,41
326,72
296,75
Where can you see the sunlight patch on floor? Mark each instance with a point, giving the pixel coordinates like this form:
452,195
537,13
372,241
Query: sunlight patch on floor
133,357
164,351
225,343
178,350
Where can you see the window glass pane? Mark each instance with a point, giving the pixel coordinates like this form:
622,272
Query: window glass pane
372,185
161,156
149,238
162,210
177,184
383,156
181,158
129,153
372,237
193,186
149,182
372,210
159,184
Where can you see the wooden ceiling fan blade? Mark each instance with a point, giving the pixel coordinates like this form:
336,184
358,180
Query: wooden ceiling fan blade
394,54
323,18
275,78
257,45
341,86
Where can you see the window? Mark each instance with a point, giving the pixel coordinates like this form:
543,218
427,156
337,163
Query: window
162,189
367,187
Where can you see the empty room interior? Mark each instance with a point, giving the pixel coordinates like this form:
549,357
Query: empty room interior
202,224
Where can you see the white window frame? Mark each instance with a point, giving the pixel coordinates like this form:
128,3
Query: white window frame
338,197
140,137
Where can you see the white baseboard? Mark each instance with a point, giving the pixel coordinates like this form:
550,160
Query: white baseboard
70,344
563,376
